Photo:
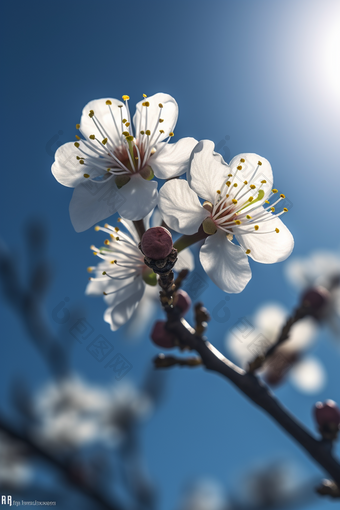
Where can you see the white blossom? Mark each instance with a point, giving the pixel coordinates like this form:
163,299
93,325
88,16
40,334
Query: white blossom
112,166
239,202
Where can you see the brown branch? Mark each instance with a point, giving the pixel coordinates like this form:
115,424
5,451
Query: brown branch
83,487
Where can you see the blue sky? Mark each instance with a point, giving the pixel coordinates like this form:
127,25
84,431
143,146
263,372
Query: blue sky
253,76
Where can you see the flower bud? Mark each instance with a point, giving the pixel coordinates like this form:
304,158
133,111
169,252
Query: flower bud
183,301
157,243
161,337
327,414
316,299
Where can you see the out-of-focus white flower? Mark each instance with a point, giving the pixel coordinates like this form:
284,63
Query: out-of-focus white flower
126,405
319,268
118,162
68,411
14,469
71,413
123,275
252,338
205,495
240,202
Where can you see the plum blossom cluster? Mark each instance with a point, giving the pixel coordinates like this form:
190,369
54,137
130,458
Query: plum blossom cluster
233,208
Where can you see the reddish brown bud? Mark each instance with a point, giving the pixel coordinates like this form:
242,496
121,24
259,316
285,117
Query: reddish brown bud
157,243
327,414
161,337
183,301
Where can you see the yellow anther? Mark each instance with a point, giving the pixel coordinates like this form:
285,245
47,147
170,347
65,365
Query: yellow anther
160,105
266,202
96,228
218,191
282,195
89,269
113,262
91,114
161,131
227,195
117,238
120,106
142,132
250,199
256,227
112,236
104,142
148,132
130,138
81,162
234,201
171,133
77,126
104,273
228,183
242,160
259,163
95,253
119,219
78,157
92,137
247,252
108,169
108,102
127,124
248,217
239,167
272,209
146,103
245,182
230,175
104,294
76,144
126,133
106,241
77,137
277,230
274,191
116,229
238,222
125,98
235,185
124,120
285,209
263,182
161,120
144,95
86,176
106,225
252,186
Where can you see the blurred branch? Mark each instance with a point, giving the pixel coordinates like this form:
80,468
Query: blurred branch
82,486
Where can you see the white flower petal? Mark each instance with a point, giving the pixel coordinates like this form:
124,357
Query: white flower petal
121,312
67,169
268,248
252,172
169,114
138,198
208,171
309,376
103,115
185,260
180,207
225,263
92,202
172,160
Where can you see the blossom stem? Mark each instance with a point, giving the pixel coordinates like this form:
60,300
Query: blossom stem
185,241
139,226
